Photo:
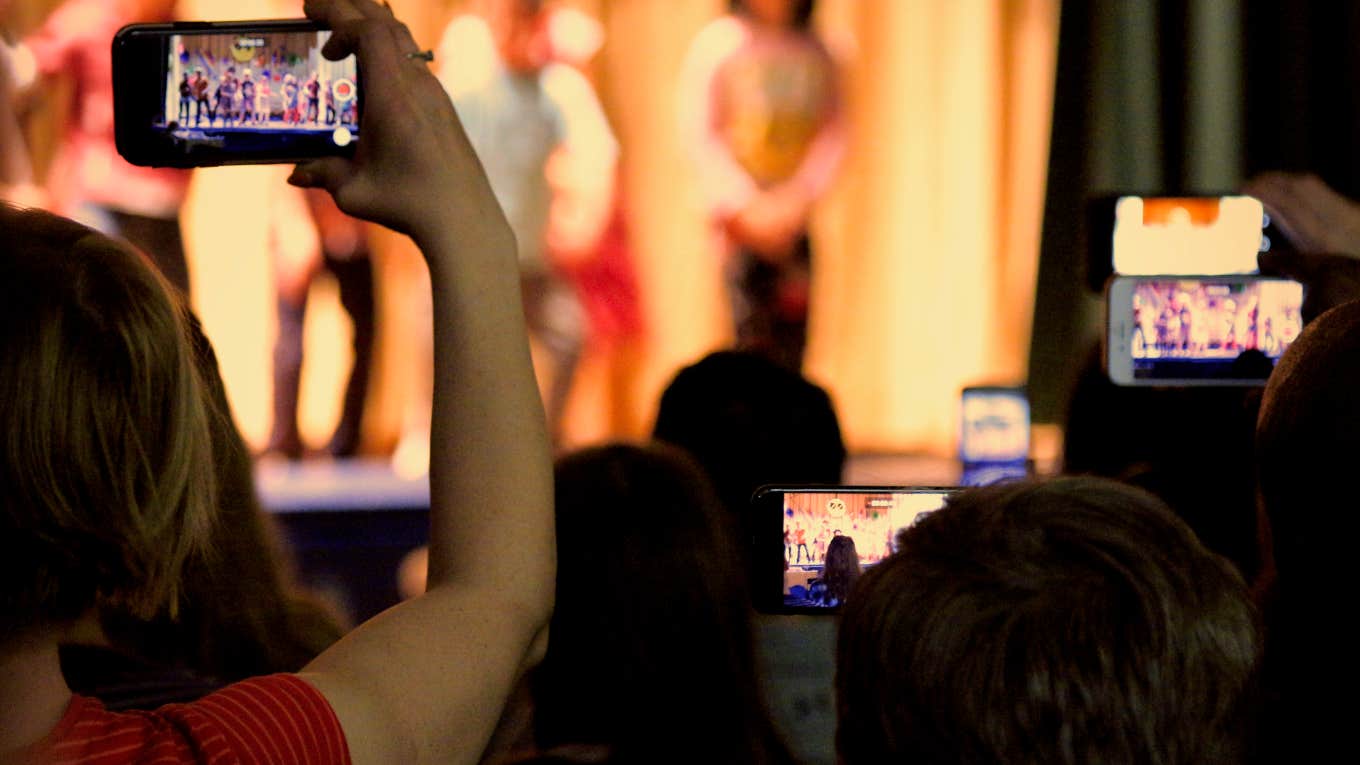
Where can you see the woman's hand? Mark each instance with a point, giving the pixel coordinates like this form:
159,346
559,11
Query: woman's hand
1314,217
413,169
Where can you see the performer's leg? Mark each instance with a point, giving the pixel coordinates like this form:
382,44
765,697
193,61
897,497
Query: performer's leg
751,284
284,438
790,307
355,277
557,323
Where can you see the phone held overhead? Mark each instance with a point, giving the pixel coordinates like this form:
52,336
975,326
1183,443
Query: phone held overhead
193,94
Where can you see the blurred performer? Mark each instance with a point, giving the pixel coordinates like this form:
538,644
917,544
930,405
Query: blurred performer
88,180
761,111
312,88
550,155
328,94
226,96
186,91
200,90
298,259
291,115
262,100
247,97
16,171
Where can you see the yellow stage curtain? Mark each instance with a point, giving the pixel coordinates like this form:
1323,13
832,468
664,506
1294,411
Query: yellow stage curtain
927,249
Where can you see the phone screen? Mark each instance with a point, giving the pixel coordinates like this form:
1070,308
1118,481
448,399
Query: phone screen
233,94
994,425
1177,235
1190,235
1210,329
831,535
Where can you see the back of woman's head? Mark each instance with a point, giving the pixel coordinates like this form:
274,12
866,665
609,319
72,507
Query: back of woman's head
240,613
651,650
105,458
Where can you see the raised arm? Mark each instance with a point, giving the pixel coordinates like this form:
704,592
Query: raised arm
426,680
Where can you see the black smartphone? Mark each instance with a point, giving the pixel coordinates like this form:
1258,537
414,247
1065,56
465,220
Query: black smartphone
1148,235
1206,330
813,542
195,94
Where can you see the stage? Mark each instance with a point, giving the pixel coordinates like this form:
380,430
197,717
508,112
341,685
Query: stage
349,522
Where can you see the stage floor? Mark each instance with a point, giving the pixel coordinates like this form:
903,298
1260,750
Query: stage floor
349,523
367,484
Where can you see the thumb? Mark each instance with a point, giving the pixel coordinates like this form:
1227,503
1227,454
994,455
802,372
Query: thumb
329,173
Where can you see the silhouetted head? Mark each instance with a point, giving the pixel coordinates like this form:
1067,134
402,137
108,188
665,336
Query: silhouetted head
1308,442
1070,621
841,567
1191,446
784,13
652,623
750,422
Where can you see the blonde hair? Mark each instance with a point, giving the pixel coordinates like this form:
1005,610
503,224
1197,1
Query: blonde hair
105,454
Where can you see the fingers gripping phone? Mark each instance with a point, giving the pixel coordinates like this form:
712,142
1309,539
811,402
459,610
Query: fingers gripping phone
193,94
812,542
1206,330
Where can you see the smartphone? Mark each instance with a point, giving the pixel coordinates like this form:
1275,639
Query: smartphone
195,94
1131,234
993,434
814,541
1204,330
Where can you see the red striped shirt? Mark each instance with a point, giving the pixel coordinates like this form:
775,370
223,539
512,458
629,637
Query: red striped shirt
274,719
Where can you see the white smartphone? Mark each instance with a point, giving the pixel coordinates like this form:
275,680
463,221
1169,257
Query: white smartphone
1199,330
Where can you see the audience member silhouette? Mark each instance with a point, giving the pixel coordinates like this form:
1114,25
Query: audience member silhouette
1192,447
749,422
840,571
1070,621
1308,441
651,657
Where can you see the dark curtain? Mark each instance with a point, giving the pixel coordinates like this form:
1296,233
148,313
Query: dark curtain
1127,119
1302,67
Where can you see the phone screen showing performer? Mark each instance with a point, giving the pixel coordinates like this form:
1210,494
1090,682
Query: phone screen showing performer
818,540
1200,331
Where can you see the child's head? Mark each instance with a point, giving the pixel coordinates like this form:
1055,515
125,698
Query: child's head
779,13
653,617
521,33
105,458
